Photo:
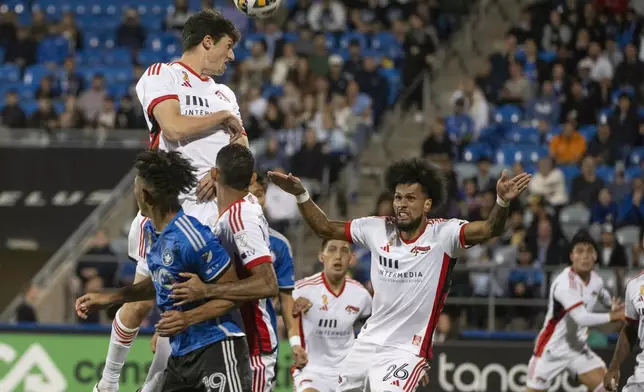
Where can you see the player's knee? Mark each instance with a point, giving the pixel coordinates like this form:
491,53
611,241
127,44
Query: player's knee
132,314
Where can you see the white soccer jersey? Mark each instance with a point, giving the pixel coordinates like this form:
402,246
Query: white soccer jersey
327,328
560,333
244,233
197,96
634,310
410,279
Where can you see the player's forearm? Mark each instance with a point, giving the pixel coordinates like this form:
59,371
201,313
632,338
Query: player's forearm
182,127
141,291
496,220
320,223
586,319
624,345
210,310
255,287
286,302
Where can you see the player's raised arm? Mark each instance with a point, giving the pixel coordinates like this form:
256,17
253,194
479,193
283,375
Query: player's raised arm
312,214
507,189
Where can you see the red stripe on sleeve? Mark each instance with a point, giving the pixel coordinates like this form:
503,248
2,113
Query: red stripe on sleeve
158,100
260,260
461,236
347,231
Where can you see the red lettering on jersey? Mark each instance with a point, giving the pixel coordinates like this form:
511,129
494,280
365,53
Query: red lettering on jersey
352,309
416,250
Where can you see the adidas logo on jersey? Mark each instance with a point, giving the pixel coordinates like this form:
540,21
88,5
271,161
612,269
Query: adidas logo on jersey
186,80
385,248
395,383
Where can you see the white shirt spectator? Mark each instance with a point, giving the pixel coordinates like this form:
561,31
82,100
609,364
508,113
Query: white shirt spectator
327,15
280,205
551,186
477,108
600,68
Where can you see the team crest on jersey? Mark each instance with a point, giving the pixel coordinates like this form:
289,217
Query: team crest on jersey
352,309
222,96
325,303
420,250
417,340
241,240
167,257
186,79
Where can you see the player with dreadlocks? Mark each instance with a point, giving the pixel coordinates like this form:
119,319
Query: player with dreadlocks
211,354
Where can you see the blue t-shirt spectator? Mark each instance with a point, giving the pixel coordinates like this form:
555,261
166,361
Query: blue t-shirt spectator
631,210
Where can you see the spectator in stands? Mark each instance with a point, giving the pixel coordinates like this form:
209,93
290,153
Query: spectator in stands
131,34
559,82
281,210
545,106
604,210
620,187
91,100
535,69
258,64
70,31
578,107
437,143
70,81
517,89
72,117
8,28
106,117
515,231
129,116
272,157
593,24
476,104
178,17
501,60
459,125
361,104
309,162
44,117
337,79
568,147
444,329
545,247
631,208
484,178
375,86
22,51
601,67
624,122
319,58
523,30
614,53
273,116
555,34
309,110
12,115
99,261
304,42
291,100
586,186
327,15
549,183
46,89
525,281
487,83
40,26
611,252
353,65
630,72
589,86
582,43
602,147
26,311
543,129
302,76
419,47
471,200
284,65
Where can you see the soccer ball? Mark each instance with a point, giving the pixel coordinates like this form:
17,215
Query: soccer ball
258,8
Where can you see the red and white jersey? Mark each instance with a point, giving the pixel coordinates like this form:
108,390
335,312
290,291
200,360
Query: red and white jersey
243,232
410,279
560,333
327,329
197,96
634,311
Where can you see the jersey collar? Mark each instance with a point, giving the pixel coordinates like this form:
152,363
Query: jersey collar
328,286
192,71
168,227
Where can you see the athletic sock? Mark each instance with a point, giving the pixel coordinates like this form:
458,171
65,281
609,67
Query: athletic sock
120,343
159,363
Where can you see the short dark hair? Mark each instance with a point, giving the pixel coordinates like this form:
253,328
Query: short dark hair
261,180
169,174
418,171
236,165
582,237
207,22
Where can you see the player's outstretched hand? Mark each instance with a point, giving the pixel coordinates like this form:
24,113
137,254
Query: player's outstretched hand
616,303
206,188
90,302
288,183
301,305
172,322
300,357
617,313
611,380
191,290
509,188
234,127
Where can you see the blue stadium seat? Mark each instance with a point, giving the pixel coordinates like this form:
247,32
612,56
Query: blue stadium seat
118,74
241,54
330,41
27,92
157,42
290,36
475,151
633,172
349,36
249,40
34,74
548,57
383,41
523,135
530,169
147,57
29,107
116,57
394,80
604,114
507,115
53,49
510,153
491,135
588,131
636,155
272,91
606,173
569,172
640,112
9,73
118,90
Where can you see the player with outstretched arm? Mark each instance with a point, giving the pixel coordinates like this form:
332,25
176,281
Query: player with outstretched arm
411,261
186,111
211,355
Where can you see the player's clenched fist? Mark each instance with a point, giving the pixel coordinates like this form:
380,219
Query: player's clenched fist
288,183
300,357
611,380
301,305
90,302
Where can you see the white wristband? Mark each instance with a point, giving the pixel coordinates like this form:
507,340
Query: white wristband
303,197
501,202
295,341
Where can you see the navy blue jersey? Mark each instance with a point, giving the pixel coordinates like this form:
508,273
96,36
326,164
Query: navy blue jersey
185,245
283,265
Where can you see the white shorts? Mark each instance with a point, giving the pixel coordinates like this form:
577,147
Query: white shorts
305,378
377,368
263,368
206,213
542,370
